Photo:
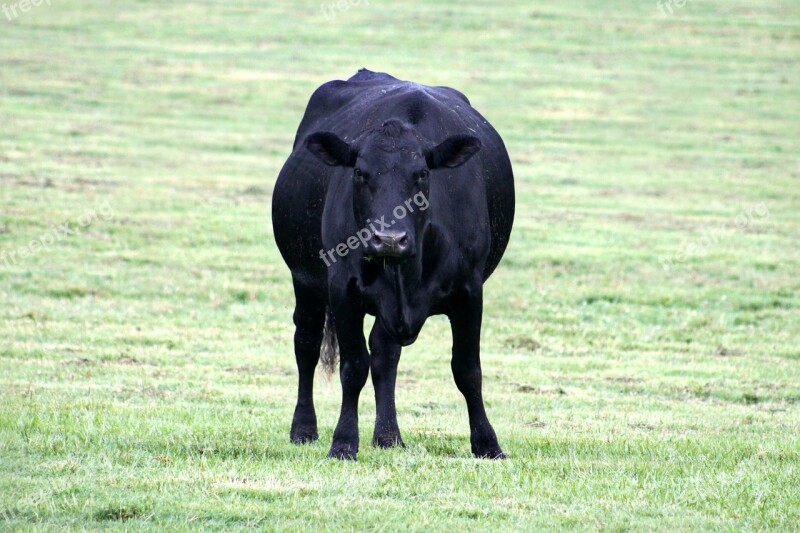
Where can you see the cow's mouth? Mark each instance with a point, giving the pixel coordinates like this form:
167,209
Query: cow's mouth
383,261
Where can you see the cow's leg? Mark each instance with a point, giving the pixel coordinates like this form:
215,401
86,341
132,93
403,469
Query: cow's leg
309,320
385,354
465,321
353,372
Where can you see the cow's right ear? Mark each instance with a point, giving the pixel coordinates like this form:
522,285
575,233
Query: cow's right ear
453,151
330,149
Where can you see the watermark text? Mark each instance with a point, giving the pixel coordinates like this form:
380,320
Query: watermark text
13,11
362,236
56,233
711,236
332,9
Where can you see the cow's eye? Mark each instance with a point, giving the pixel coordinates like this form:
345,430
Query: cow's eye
423,175
358,175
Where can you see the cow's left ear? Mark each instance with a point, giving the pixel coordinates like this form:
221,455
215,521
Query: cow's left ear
330,149
453,151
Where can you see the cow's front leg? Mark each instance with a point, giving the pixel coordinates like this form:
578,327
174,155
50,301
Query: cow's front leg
465,321
353,371
385,354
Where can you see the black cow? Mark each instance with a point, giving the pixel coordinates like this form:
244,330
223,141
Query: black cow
397,201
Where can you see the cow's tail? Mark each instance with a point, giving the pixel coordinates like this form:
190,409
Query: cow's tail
329,350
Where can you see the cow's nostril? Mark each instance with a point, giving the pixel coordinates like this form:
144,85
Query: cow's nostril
393,244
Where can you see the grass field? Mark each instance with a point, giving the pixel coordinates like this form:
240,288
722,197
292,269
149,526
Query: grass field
641,345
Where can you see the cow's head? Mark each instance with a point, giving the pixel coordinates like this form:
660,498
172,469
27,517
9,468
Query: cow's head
391,168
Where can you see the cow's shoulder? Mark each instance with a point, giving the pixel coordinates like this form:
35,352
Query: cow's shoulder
450,93
328,96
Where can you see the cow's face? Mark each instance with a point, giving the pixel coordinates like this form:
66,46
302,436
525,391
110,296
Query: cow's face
391,168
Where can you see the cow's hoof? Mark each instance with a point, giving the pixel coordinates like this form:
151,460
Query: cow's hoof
343,452
303,436
388,441
492,452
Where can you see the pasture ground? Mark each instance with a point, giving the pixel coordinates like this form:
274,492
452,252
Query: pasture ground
146,371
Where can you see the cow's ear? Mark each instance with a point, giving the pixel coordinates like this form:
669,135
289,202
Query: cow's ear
453,151
330,149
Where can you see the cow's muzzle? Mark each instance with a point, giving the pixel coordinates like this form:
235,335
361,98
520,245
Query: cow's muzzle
396,244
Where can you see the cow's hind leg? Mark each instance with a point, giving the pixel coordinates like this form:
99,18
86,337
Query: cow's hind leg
309,320
465,321
385,354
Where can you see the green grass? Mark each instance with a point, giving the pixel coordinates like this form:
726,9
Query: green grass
146,371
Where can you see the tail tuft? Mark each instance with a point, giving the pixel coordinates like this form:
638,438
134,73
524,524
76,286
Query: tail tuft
329,350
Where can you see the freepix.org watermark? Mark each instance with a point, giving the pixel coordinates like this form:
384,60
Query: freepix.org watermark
362,236
711,237
340,6
56,233
12,11
667,7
